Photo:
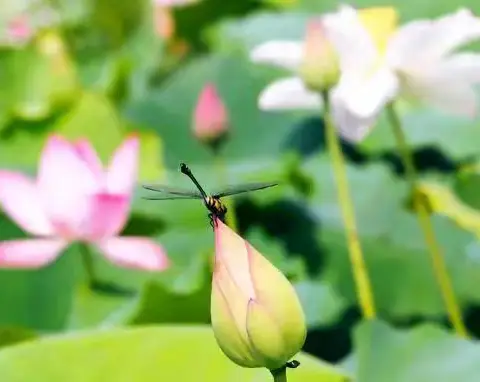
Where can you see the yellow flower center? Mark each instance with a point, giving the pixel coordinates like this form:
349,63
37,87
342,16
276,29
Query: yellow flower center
380,22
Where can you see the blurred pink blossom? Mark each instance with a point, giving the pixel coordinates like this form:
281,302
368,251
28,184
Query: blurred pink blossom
75,198
19,31
210,119
20,28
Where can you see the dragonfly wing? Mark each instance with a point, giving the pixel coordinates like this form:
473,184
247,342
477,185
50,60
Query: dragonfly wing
172,191
234,190
168,197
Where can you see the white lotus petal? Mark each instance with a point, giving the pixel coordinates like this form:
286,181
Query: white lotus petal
365,95
350,126
289,94
405,47
443,91
284,54
422,42
351,40
463,67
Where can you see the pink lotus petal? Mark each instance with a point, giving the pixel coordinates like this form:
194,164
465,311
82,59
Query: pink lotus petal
123,168
22,203
65,181
29,253
135,252
107,217
88,154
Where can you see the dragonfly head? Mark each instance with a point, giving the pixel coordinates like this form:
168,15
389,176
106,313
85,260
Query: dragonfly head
184,169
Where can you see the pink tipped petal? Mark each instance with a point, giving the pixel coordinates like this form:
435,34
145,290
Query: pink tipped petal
107,216
88,154
64,181
134,252
289,94
123,168
22,203
231,255
284,54
29,253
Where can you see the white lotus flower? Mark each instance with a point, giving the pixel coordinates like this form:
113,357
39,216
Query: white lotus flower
313,61
292,92
418,60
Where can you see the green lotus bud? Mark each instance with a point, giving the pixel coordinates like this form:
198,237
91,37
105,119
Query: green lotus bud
320,68
256,315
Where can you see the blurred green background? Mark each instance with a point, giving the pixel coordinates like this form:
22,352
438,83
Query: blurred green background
98,69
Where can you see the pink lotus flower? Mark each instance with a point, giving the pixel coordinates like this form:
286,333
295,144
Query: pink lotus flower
210,119
75,199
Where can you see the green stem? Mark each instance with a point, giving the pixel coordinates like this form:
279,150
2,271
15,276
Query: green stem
279,375
359,268
438,262
222,171
87,261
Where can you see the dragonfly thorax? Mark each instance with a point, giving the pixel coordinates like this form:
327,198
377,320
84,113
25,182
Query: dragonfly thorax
215,206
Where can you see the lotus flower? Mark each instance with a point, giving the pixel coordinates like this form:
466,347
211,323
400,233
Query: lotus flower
314,57
418,61
256,315
75,199
210,121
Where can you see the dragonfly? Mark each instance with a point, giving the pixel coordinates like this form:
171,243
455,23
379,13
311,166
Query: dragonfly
217,210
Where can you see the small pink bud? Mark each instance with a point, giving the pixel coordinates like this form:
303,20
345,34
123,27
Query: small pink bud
320,69
210,119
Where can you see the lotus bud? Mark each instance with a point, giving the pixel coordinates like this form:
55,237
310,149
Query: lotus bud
256,315
210,122
320,68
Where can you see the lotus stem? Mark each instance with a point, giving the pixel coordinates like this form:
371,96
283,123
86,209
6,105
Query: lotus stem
437,259
359,268
279,375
